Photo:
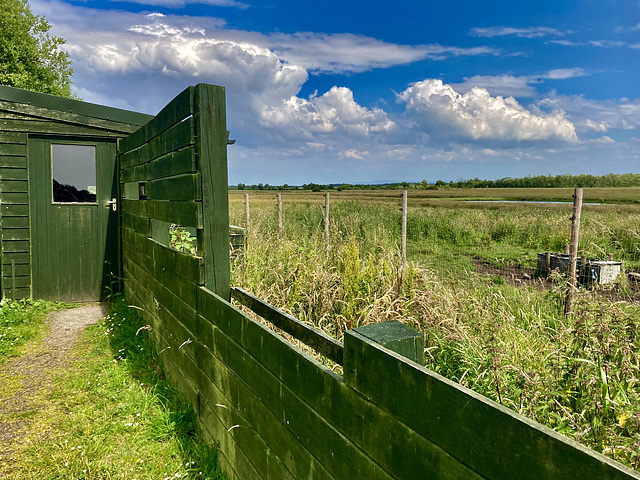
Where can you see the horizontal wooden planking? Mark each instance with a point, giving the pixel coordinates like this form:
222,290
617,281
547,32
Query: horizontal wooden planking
13,200
314,338
18,281
54,128
15,257
177,137
219,385
187,214
15,222
9,246
14,233
21,270
7,161
131,237
36,113
185,265
466,424
142,225
13,137
174,163
335,451
16,210
13,173
14,149
396,446
182,187
17,293
177,110
14,186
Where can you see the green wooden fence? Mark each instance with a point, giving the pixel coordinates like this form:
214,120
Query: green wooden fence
273,411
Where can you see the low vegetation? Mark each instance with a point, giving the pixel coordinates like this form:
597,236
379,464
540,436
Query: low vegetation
578,375
111,414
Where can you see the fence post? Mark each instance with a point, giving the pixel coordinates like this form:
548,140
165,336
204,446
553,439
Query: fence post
573,250
246,210
279,196
326,218
404,230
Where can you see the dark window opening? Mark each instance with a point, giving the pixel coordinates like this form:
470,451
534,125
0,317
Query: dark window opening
74,173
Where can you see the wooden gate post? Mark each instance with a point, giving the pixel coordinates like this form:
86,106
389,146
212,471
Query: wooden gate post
326,218
573,250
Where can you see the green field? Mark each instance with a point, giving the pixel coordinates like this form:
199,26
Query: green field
486,325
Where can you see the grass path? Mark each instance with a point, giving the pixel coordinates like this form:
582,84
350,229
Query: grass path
88,400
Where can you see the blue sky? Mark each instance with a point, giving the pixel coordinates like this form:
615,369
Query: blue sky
355,91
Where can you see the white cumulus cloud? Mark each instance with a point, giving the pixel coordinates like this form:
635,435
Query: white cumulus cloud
478,116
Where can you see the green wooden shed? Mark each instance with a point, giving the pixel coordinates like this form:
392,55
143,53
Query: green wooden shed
58,192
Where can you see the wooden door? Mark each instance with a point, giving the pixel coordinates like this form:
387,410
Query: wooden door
74,231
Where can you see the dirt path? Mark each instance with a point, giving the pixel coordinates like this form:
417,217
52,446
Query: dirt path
26,381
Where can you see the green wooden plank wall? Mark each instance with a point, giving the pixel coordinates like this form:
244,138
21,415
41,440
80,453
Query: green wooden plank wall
14,216
17,121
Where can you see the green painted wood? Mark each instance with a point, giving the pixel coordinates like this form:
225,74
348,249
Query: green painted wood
18,281
17,210
14,233
211,128
183,264
176,138
188,214
142,225
326,443
14,198
19,270
16,293
74,247
52,127
15,257
313,387
12,246
177,110
14,186
466,424
13,162
314,338
51,106
13,173
12,137
135,207
398,337
13,149
173,163
15,222
138,241
180,188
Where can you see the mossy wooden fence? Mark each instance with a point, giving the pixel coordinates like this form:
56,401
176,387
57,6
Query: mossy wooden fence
273,411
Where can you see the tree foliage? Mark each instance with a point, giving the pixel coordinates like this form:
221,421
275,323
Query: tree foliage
30,58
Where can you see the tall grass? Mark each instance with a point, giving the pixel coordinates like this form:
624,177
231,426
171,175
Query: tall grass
578,375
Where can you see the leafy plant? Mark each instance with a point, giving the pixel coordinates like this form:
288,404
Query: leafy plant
181,239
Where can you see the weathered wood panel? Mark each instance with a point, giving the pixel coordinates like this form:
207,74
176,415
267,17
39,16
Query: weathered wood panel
181,188
177,110
174,163
316,339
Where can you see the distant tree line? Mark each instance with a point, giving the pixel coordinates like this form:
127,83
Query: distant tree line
538,181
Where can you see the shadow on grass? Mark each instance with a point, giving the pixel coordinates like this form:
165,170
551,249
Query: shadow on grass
130,341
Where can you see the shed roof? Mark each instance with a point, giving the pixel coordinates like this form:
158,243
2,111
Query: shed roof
17,95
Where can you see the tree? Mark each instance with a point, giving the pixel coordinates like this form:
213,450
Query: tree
30,58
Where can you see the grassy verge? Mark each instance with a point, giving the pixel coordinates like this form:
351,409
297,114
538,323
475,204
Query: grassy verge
111,414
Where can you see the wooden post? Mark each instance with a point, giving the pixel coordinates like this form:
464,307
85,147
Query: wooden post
404,229
246,210
326,218
547,263
279,196
573,250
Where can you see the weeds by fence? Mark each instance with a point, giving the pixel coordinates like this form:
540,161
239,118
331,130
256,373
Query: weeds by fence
505,339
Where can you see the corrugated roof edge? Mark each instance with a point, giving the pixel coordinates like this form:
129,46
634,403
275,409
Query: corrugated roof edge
18,95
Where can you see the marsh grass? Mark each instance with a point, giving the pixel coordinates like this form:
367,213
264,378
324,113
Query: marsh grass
112,415
578,375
